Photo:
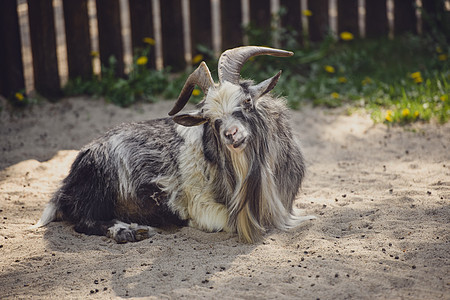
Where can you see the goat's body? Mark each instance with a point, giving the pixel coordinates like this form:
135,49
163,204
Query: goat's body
158,172
115,177
232,164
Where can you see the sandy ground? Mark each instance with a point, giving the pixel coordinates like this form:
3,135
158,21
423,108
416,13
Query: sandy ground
381,197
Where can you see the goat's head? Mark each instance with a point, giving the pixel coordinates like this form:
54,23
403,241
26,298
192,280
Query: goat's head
228,104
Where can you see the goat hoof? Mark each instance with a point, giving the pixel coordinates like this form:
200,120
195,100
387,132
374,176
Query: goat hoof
143,233
124,233
123,236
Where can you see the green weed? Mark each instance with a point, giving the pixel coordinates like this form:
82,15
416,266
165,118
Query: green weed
141,84
21,99
398,81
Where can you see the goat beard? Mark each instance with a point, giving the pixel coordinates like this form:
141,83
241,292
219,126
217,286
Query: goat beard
256,202
247,201
236,148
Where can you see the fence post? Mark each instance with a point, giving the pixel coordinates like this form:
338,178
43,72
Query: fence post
110,33
318,23
77,38
201,26
231,16
172,34
141,19
348,16
260,19
43,48
376,18
11,76
260,14
404,16
434,15
292,19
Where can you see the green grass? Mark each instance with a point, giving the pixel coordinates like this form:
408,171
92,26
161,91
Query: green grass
141,84
397,81
374,74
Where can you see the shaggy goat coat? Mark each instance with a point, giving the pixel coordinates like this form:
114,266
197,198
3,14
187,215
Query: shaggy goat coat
237,169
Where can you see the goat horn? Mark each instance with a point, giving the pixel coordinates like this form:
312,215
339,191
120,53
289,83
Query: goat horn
201,77
232,60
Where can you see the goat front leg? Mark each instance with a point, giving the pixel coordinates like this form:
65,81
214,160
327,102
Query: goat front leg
207,215
123,232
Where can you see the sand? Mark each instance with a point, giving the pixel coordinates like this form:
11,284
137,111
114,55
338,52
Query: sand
381,196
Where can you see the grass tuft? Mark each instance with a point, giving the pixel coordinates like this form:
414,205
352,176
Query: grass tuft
397,81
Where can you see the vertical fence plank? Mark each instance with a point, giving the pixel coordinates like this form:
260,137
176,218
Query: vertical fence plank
201,28
435,15
376,18
292,20
231,16
11,76
260,20
260,13
318,23
348,16
141,19
43,48
172,34
109,33
404,16
77,38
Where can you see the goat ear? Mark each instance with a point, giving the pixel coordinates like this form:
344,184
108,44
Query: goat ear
189,119
265,86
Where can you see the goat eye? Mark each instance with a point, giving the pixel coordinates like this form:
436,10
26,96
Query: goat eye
217,124
247,103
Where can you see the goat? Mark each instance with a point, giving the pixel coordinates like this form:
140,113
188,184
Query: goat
231,164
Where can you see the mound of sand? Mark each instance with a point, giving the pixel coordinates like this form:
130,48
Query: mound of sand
381,196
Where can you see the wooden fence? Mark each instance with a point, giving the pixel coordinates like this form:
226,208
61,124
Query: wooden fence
177,26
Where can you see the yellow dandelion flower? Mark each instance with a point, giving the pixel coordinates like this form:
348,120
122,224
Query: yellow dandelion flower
444,98
334,95
95,54
342,79
196,92
418,80
149,40
416,114
19,96
389,116
442,57
346,36
329,69
416,75
198,58
307,13
366,81
439,49
142,61
405,112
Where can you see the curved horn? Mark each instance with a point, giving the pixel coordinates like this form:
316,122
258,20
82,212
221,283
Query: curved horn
232,60
201,77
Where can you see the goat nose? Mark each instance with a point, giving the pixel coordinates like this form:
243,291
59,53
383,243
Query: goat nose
230,133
